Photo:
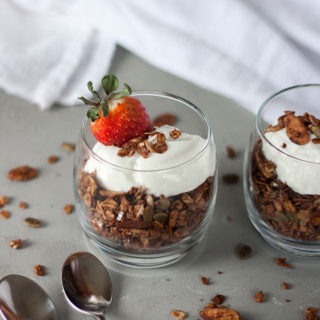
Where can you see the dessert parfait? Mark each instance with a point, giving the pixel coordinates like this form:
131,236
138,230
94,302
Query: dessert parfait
145,193
283,174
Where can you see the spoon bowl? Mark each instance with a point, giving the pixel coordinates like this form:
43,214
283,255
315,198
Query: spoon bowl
23,299
86,284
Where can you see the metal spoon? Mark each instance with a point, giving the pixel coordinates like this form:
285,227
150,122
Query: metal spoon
23,299
86,284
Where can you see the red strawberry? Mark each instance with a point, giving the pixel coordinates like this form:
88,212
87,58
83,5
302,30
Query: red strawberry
117,118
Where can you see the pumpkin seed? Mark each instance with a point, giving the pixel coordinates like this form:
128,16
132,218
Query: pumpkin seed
32,222
316,131
148,213
163,204
161,217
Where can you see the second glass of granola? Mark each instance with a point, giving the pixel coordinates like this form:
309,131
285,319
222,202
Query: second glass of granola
147,203
282,170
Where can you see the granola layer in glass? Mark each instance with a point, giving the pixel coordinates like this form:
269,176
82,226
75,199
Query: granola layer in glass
290,213
136,219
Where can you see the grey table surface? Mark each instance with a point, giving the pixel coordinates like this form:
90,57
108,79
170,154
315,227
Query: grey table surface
29,136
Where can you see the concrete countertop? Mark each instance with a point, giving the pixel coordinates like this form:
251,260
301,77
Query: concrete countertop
29,136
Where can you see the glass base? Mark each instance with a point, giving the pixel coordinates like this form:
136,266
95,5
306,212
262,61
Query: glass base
157,258
292,246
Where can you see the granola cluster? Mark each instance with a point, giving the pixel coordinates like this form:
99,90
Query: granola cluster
144,145
137,219
298,128
290,213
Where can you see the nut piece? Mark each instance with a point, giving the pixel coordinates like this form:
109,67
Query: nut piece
5,214
23,205
32,222
68,208
218,299
175,134
165,118
295,128
70,147
53,159
16,243
258,297
231,153
3,201
219,313
205,281
282,262
285,285
243,251
39,270
23,173
311,313
178,314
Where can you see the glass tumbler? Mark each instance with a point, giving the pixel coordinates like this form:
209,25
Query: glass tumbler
149,212
282,170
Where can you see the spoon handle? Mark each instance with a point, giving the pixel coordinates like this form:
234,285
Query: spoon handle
99,317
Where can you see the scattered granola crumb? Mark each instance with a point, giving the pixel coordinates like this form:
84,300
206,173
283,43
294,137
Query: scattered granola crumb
68,208
231,153
3,201
53,159
230,178
205,281
282,262
23,173
311,313
39,270
211,312
16,243
165,118
32,222
218,299
5,214
70,147
287,300
220,272
259,297
284,145
243,251
178,314
23,205
285,285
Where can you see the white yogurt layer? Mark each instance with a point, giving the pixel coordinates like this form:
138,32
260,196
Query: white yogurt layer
301,176
169,182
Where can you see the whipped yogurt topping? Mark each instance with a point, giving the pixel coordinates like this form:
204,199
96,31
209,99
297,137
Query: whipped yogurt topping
300,175
173,178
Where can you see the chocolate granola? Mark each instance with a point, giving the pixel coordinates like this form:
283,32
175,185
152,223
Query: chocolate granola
136,219
290,213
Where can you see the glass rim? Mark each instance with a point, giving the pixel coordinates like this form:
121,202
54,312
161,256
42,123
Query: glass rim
265,103
160,94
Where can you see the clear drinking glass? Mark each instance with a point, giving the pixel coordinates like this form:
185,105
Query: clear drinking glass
153,214
281,184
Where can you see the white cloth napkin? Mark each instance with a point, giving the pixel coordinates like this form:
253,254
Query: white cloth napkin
243,49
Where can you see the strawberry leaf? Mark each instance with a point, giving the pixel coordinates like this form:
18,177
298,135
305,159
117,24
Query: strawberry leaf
94,92
109,83
125,92
93,113
89,102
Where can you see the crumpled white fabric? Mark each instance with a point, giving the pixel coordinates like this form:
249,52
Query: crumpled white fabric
243,49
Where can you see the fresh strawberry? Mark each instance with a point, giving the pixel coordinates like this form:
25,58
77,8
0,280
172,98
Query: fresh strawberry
118,117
